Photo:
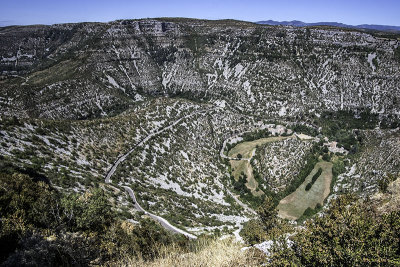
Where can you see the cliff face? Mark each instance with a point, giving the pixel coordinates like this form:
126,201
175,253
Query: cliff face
86,70
242,78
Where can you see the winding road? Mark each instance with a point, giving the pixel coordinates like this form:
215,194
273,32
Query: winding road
112,170
147,138
244,206
162,221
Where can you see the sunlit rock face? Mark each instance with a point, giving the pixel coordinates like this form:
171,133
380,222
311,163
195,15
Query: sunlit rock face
83,95
97,69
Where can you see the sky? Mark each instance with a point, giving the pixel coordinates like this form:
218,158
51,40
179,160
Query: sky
354,12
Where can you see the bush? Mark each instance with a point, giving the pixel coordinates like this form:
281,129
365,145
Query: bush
88,212
66,250
24,206
385,181
240,185
338,168
308,186
370,239
256,230
314,179
308,212
37,221
326,157
397,54
141,240
300,128
253,232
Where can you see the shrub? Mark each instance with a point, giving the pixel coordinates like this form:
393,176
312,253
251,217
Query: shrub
90,211
370,239
313,179
24,205
142,240
300,128
253,232
397,54
326,157
256,230
31,212
240,185
385,181
308,186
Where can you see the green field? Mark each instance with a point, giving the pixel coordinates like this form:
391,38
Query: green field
247,149
294,205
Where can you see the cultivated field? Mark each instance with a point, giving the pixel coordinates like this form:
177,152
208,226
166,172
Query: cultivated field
294,205
247,150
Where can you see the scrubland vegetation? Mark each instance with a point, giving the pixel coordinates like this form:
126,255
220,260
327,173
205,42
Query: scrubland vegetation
41,226
76,97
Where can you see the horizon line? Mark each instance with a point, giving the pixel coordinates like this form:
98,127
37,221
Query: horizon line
147,18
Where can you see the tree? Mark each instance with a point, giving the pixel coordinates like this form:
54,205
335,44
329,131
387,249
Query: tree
308,186
397,54
384,182
88,212
267,213
351,233
240,185
314,179
260,229
24,205
253,232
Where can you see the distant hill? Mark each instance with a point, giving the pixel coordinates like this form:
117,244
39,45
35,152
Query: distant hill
298,23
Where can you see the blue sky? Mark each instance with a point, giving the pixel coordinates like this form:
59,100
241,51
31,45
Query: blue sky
17,12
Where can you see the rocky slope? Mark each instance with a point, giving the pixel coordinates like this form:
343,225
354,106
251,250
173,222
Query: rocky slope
86,70
75,97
